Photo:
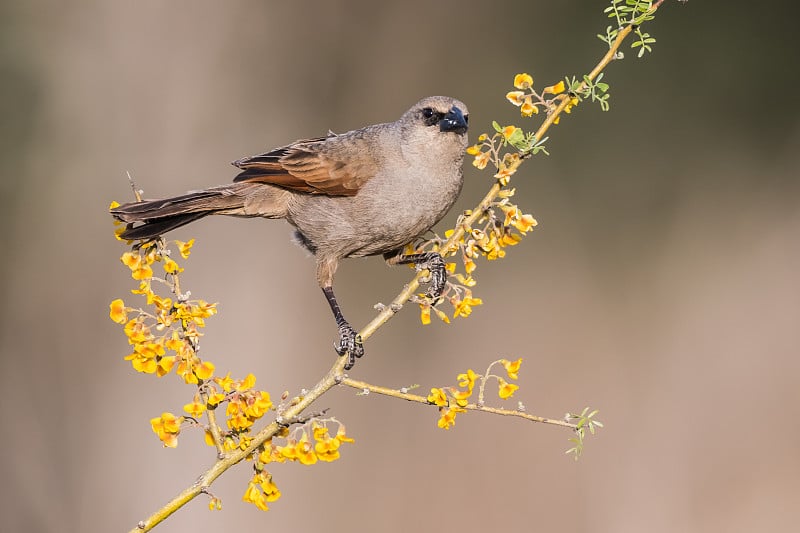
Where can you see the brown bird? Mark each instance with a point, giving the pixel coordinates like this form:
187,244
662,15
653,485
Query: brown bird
365,192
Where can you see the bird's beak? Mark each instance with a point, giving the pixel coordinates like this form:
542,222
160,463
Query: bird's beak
453,121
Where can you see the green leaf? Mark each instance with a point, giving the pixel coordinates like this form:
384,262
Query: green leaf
497,127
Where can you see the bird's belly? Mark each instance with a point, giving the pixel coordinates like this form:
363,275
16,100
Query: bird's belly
372,222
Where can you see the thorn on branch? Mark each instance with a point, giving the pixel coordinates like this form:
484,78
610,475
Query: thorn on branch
299,419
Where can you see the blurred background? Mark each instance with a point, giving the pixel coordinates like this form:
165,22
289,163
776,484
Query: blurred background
660,287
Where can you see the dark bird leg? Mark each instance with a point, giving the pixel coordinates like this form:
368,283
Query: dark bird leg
349,340
433,262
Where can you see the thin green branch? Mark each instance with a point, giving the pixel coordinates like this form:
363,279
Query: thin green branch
394,393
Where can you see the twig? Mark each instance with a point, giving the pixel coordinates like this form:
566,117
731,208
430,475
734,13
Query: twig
394,393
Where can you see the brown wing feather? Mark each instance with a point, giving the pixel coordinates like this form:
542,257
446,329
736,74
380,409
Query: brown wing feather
336,165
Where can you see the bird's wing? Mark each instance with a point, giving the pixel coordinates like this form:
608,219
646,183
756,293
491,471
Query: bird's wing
336,165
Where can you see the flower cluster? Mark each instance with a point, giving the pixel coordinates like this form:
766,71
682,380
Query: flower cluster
489,149
454,400
261,490
306,445
530,102
245,406
501,225
167,426
164,334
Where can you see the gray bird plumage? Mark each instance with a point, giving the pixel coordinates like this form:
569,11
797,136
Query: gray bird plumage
365,192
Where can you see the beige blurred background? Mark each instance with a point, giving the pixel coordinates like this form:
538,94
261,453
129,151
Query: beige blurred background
661,285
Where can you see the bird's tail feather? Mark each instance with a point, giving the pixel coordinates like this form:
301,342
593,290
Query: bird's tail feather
160,216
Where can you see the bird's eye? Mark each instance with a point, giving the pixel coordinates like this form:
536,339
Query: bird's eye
431,117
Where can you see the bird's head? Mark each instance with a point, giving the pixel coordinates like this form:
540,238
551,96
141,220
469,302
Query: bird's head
440,120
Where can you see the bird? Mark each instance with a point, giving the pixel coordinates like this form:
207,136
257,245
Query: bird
370,191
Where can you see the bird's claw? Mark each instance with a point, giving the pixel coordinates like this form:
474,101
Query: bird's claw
350,343
438,277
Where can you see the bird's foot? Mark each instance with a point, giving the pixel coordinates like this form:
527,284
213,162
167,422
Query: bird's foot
434,264
438,278
349,344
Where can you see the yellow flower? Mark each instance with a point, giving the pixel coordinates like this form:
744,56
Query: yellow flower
481,160
469,265
448,417
289,451
523,81
185,247
265,456
460,396
143,272
558,88
164,365
516,97
167,427
506,389
305,452
327,449
474,150
572,103
512,367
467,380
139,270
425,313
244,442
171,267
141,363
271,491
464,307
247,383
204,370
214,504
186,370
254,495
196,408
525,223
437,397
258,404
527,109
226,383
508,131
117,312
215,398
509,239
341,436
131,260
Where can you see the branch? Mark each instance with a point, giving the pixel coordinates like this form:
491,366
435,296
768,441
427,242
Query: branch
394,393
336,376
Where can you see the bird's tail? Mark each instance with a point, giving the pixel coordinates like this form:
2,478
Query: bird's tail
160,216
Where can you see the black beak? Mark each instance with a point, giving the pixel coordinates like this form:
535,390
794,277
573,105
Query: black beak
454,121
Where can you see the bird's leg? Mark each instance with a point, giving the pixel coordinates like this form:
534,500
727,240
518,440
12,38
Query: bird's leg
349,340
433,262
